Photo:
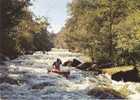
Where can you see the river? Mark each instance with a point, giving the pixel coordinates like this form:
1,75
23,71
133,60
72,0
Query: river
35,83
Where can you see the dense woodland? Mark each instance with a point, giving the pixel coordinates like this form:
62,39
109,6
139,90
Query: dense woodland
105,30
21,32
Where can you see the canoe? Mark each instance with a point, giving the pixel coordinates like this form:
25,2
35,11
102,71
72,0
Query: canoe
63,73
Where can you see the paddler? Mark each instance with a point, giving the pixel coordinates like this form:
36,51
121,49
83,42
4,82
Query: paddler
56,66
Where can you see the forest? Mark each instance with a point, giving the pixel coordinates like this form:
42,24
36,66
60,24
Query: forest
105,30
21,32
95,55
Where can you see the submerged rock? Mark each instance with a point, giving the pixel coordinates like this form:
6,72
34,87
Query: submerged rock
104,93
10,80
42,85
85,66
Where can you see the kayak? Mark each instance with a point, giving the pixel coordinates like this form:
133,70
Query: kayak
63,73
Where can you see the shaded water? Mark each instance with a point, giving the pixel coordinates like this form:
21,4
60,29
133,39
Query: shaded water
37,84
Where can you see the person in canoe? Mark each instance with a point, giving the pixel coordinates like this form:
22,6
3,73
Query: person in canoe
56,66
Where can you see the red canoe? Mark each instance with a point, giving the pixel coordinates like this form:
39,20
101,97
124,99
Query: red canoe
63,73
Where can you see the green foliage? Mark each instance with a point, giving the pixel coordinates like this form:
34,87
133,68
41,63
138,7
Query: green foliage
20,33
11,12
42,41
32,35
129,32
100,29
128,37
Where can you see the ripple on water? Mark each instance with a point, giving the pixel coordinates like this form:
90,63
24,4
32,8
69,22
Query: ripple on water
53,86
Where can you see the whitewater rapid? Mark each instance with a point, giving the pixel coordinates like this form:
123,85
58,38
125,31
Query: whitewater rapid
37,84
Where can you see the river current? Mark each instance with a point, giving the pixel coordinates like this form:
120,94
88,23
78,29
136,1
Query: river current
35,83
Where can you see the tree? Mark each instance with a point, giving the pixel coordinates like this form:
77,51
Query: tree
11,13
42,39
91,26
20,31
128,38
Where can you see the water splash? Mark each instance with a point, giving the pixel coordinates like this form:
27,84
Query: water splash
38,84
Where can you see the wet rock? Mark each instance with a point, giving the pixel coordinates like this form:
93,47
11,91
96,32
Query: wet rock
131,75
106,65
85,66
88,66
72,63
75,63
67,63
29,52
94,68
105,93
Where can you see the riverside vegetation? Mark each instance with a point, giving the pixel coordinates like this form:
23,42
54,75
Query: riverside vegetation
106,31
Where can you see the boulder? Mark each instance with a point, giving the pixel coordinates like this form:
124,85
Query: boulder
131,75
88,66
72,63
75,62
67,63
85,66
105,93
105,65
29,52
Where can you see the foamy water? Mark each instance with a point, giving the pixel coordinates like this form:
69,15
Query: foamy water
32,70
